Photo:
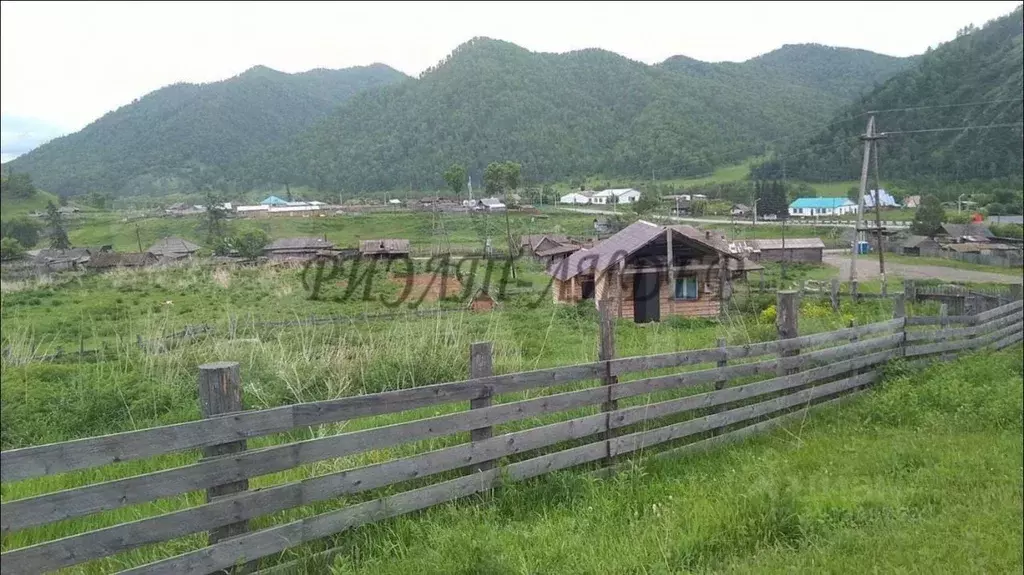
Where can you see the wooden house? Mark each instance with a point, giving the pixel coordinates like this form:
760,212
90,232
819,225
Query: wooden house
108,260
805,250
297,249
923,246
548,248
647,270
172,248
53,260
387,248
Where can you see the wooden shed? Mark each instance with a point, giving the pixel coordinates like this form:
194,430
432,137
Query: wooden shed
387,248
920,246
804,250
648,270
297,249
105,261
173,248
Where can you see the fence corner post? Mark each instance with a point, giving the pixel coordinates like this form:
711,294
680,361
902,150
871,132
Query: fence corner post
854,290
606,353
481,364
834,294
787,326
910,290
220,392
1016,292
899,311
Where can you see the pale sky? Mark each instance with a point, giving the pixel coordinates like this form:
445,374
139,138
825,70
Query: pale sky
66,64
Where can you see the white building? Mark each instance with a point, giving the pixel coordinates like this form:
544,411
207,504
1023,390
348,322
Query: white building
821,207
575,198
615,196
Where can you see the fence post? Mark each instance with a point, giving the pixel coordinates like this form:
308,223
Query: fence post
899,311
853,290
885,287
910,290
786,324
481,365
1016,292
943,322
834,293
220,392
720,383
605,353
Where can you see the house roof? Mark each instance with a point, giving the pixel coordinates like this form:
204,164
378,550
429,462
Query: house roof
289,244
791,244
558,249
830,203
104,260
911,201
744,265
623,244
743,207
967,230
884,199
916,241
975,247
172,245
274,201
385,246
492,202
534,240
63,256
613,192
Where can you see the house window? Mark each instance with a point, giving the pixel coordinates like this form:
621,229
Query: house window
686,287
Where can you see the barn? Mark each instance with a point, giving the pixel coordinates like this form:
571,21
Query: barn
296,249
387,248
648,270
804,250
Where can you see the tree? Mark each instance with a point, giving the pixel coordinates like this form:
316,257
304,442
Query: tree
11,249
852,193
929,217
215,216
58,236
250,243
648,202
995,209
22,229
17,184
455,176
501,177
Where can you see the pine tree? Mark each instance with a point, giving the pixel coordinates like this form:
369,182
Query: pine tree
58,236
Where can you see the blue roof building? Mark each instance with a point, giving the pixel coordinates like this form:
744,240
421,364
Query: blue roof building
273,201
812,207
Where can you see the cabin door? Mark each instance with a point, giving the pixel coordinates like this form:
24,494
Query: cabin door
646,304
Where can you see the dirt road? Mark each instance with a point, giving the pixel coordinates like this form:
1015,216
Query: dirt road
867,268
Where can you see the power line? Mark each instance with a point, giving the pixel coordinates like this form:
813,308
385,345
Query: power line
956,129
965,104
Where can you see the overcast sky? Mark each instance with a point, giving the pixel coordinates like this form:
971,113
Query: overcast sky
64,65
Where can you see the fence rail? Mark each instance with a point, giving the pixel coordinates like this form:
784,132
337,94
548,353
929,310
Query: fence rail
561,417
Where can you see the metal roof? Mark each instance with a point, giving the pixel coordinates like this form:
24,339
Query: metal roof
386,246
791,244
829,203
172,245
299,244
626,242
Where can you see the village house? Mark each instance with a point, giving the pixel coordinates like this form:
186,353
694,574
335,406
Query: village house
386,248
108,260
615,196
922,246
821,207
966,233
52,260
804,250
913,202
739,210
548,248
885,199
575,198
297,249
649,270
173,249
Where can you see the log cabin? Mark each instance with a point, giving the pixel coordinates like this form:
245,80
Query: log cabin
631,268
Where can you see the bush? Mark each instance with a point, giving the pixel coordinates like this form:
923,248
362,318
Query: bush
11,249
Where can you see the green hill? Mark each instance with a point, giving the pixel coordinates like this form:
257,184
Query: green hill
980,65
187,135
560,115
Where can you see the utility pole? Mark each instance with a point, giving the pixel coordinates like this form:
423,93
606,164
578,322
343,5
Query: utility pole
867,138
138,237
878,216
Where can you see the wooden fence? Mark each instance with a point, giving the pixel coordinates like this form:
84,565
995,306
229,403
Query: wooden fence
502,428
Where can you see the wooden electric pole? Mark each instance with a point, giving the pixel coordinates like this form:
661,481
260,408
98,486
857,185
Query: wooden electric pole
867,138
878,215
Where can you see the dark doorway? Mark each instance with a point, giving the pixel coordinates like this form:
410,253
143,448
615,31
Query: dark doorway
646,305
588,289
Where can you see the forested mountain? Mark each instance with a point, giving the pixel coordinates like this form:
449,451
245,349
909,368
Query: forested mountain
562,115
980,65
185,136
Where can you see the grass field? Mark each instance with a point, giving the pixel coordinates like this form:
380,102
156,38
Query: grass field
923,475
